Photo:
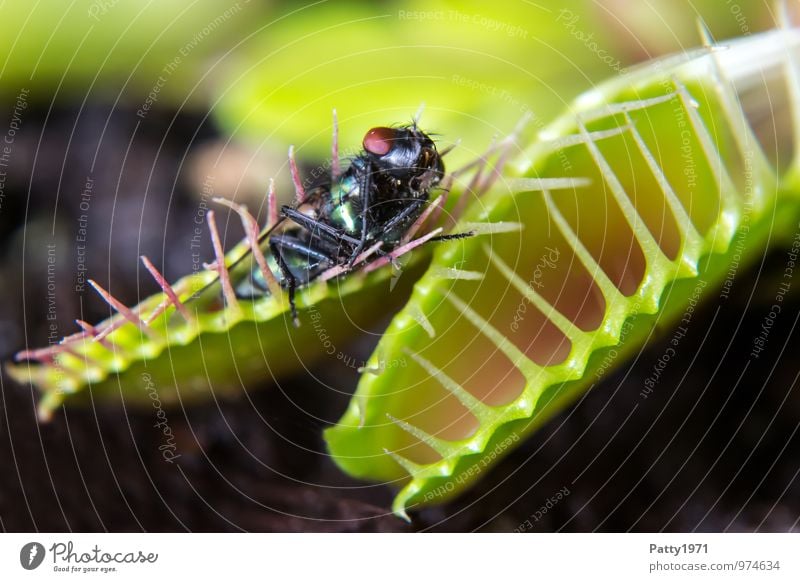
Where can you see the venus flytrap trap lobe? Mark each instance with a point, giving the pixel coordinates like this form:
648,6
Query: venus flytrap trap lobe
230,316
671,171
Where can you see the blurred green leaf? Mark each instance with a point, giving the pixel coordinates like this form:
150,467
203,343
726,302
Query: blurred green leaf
69,49
477,66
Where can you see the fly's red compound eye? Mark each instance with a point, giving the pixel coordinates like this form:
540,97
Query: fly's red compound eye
378,140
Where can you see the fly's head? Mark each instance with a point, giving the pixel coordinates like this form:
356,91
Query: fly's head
405,156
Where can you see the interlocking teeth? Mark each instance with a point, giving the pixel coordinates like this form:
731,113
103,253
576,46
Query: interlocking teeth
250,226
517,185
792,72
480,228
410,466
444,448
419,316
299,191
527,366
554,144
124,311
172,297
563,324
457,274
648,244
220,266
481,411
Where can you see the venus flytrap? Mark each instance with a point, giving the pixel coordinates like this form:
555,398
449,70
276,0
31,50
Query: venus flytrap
680,176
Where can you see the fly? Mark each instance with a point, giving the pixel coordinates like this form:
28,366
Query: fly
366,209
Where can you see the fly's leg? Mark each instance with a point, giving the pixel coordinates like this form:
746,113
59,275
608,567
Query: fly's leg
399,218
405,213
278,246
316,227
365,188
326,232
291,282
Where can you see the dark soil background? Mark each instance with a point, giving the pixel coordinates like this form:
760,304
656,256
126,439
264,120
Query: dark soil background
714,447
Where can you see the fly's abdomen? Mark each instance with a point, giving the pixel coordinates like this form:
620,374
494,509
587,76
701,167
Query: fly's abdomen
304,263
254,286
343,210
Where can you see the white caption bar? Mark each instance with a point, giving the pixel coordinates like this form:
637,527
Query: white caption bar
389,557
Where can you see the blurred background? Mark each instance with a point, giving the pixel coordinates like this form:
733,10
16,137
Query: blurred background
121,118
